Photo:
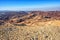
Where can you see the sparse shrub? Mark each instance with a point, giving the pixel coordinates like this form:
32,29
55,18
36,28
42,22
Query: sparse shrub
47,17
1,22
46,36
20,24
20,20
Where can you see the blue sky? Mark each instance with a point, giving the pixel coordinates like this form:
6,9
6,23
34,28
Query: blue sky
29,4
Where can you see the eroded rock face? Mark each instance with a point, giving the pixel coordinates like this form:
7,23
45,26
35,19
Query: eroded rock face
34,26
17,16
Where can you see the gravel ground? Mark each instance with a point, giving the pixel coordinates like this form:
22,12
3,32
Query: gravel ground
42,32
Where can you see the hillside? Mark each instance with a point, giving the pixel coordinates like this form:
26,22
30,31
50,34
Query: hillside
31,25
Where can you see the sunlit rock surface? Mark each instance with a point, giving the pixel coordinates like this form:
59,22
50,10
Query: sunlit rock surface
35,25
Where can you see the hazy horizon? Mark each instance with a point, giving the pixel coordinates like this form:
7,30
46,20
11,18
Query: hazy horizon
23,5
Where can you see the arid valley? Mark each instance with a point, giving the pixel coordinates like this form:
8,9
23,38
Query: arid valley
30,25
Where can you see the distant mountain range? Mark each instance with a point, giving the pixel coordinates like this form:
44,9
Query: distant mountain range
4,15
26,15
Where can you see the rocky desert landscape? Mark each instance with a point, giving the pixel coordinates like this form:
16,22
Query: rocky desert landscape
30,25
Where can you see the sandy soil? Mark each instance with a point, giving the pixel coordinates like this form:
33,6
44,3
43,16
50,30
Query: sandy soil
49,30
